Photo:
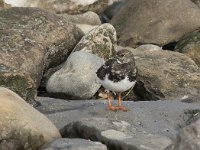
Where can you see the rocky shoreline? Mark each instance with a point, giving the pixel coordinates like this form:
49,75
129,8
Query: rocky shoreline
51,50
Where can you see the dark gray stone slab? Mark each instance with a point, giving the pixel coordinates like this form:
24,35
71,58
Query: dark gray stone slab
156,117
146,125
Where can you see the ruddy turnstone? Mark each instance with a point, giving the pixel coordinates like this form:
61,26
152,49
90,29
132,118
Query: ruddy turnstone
118,74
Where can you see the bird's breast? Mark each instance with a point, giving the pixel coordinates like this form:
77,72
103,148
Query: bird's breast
119,86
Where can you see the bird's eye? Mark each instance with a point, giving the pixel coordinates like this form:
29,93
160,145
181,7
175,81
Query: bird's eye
122,55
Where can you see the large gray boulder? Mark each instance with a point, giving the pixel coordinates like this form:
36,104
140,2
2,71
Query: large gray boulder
21,126
99,41
86,21
88,17
31,41
77,78
155,21
165,75
79,82
74,144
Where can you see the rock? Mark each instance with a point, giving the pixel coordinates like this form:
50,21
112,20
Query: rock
190,46
155,21
4,5
118,1
165,75
29,45
21,126
197,2
149,47
115,134
99,41
112,10
60,6
1,3
74,144
163,118
85,28
85,22
89,18
188,138
77,78
42,88
146,122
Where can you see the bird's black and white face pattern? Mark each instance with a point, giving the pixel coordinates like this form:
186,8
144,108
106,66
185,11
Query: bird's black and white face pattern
124,56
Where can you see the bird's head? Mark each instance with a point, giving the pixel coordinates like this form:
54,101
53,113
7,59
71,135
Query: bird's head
124,56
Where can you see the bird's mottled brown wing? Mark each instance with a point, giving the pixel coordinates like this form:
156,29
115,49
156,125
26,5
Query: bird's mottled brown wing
104,69
119,71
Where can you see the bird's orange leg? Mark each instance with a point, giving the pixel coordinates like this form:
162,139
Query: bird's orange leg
119,104
110,107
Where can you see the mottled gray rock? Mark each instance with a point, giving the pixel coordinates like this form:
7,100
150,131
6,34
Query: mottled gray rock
77,78
188,138
99,41
115,134
68,6
149,47
85,22
155,21
165,75
89,18
190,46
21,126
147,122
86,28
74,144
197,2
31,41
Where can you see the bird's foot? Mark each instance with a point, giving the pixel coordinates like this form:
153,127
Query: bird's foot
110,107
115,108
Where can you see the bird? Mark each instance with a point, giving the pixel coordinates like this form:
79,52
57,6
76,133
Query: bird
118,74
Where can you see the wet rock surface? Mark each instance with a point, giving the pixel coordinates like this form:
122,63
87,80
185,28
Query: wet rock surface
147,124
115,134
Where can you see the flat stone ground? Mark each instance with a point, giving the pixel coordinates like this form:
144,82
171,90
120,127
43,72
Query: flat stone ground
163,118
